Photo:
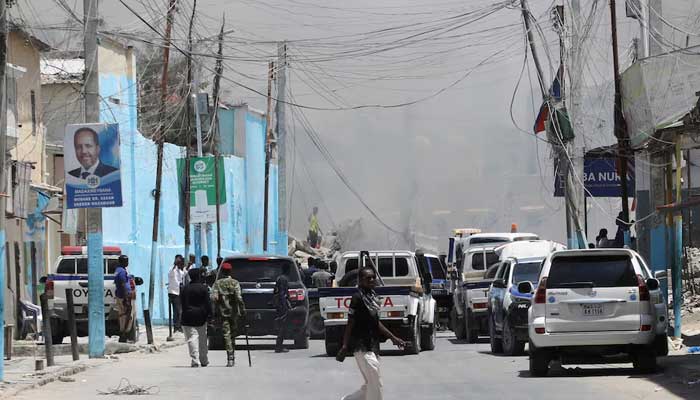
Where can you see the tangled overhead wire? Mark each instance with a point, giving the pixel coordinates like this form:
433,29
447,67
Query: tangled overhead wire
126,388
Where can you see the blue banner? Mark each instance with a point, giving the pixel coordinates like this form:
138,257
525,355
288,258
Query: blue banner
600,178
91,162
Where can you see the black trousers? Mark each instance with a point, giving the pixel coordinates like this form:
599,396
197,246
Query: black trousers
177,311
281,330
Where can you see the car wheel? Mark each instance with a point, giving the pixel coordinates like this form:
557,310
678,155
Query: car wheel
644,361
316,327
332,348
471,334
458,326
413,345
496,343
661,345
539,361
302,341
511,345
428,338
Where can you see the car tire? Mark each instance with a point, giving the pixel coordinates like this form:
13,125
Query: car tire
496,343
332,348
661,345
413,345
511,345
458,326
302,341
471,334
316,327
539,361
427,338
644,361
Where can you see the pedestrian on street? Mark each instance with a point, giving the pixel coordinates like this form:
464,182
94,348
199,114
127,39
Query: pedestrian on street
362,336
314,230
322,278
176,279
280,300
123,296
230,309
602,240
190,265
196,311
310,271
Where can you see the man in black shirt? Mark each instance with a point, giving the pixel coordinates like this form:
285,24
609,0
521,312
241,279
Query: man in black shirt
196,310
282,305
363,334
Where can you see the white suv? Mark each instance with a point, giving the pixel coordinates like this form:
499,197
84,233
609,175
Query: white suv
595,303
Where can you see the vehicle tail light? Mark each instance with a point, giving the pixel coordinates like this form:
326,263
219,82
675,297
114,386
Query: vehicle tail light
479,306
541,293
48,288
643,289
646,328
296,294
394,314
336,315
539,331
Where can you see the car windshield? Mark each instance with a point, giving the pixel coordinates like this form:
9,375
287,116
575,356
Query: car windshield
594,271
488,240
436,268
526,272
478,259
261,270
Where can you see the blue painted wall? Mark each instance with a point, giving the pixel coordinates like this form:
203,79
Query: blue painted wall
131,225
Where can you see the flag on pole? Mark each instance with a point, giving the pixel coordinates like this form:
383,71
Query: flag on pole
542,116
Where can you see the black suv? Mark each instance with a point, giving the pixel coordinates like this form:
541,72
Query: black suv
257,276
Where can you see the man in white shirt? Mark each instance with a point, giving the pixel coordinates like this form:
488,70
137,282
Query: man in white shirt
176,278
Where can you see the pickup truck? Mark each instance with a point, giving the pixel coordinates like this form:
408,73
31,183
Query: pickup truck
407,306
70,272
474,255
257,275
440,290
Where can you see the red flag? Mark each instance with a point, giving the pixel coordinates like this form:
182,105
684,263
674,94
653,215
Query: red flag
541,118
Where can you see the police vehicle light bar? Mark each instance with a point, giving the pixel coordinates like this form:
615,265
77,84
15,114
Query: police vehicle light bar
82,250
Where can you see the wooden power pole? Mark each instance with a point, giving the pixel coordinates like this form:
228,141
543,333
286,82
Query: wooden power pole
3,172
268,150
160,139
218,71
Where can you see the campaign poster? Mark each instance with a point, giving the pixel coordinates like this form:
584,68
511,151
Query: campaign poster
92,165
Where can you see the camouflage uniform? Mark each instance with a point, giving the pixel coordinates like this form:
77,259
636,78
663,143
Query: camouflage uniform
230,308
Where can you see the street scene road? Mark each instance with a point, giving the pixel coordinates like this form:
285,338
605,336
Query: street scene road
455,370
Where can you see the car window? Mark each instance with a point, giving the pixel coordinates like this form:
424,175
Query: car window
506,272
600,271
401,267
500,268
112,265
385,267
526,272
350,264
66,266
261,270
488,240
480,260
436,268
82,265
643,267
491,272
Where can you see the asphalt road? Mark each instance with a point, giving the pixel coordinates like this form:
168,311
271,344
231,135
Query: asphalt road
455,370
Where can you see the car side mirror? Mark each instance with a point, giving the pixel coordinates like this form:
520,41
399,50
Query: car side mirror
660,274
652,284
525,287
42,279
499,283
138,281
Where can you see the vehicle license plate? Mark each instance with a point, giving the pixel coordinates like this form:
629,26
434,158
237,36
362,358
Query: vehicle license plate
78,309
592,309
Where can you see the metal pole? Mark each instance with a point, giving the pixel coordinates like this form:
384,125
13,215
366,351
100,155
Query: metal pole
268,151
3,172
48,337
282,139
676,272
188,143
199,228
160,137
71,325
96,266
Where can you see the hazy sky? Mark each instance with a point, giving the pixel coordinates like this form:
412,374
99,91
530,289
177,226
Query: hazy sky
453,160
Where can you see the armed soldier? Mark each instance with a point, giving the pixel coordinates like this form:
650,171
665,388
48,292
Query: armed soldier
227,297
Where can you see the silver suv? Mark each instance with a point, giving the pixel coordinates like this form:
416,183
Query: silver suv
590,304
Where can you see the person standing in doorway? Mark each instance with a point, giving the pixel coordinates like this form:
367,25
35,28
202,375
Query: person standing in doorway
362,336
314,230
282,306
196,311
230,309
123,297
175,282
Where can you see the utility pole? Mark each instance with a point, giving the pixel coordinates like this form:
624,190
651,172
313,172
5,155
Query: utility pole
200,228
218,70
3,173
96,312
160,139
268,149
623,143
280,109
188,144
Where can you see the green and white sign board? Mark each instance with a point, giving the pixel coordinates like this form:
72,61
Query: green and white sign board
203,188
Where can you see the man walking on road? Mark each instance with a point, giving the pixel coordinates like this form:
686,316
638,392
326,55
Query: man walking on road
230,308
281,303
322,278
176,278
196,310
123,297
